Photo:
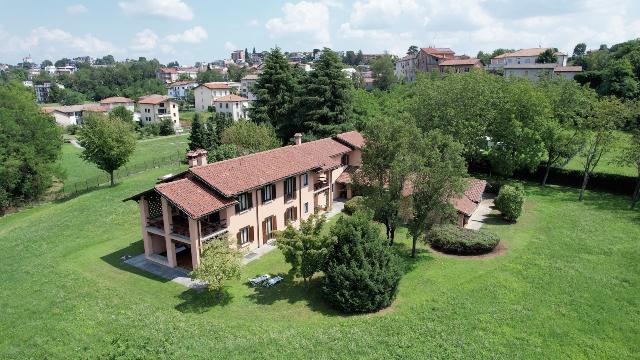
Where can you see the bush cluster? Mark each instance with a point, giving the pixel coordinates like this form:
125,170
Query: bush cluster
353,205
361,272
509,202
452,239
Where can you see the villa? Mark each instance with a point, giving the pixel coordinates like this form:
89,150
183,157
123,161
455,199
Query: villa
247,198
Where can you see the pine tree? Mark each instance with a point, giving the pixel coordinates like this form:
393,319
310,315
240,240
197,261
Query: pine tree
197,138
325,104
275,90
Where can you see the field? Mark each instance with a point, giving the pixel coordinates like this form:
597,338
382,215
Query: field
608,163
149,150
568,286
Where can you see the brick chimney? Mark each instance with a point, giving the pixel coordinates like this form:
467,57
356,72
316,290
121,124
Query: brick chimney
197,157
298,138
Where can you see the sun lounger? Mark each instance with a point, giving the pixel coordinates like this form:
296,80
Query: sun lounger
273,281
259,280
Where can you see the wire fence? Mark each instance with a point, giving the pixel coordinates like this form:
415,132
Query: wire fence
72,189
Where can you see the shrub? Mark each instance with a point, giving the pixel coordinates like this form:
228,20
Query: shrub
452,239
166,127
361,273
152,129
509,202
354,205
72,129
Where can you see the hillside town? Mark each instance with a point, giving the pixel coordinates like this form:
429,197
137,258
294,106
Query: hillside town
358,179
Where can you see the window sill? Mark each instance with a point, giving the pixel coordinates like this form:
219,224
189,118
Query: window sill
242,246
267,202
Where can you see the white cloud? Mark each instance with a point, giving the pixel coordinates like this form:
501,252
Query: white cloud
193,36
167,49
379,13
253,23
76,9
170,9
43,39
145,40
228,45
304,18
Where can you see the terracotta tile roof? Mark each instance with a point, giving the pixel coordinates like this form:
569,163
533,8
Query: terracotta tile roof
230,97
437,51
168,70
250,77
346,176
464,205
352,138
567,68
475,189
115,100
180,83
192,197
75,108
216,85
234,176
454,62
531,66
528,52
153,99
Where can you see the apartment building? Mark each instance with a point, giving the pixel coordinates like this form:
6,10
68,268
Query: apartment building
236,106
524,57
246,198
207,92
113,102
428,59
533,71
167,75
246,84
155,108
406,68
180,89
73,114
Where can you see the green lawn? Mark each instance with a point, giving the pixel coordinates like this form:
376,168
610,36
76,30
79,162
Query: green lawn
567,287
158,149
608,162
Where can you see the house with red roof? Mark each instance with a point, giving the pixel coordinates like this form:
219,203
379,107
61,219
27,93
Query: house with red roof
206,93
247,198
155,108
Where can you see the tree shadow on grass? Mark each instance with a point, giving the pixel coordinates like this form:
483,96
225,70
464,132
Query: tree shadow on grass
409,263
495,219
87,189
115,259
201,300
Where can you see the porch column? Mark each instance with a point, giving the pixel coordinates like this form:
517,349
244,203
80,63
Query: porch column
330,190
144,215
349,191
194,235
168,224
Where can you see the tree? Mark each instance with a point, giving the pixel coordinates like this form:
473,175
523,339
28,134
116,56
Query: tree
62,62
173,64
509,202
249,137
324,104
361,273
108,143
579,50
437,177
618,79
184,77
236,73
413,50
30,146
120,112
209,76
350,58
606,116
383,72
218,263
45,63
547,57
305,249
222,152
166,127
631,155
198,136
386,166
275,90
359,58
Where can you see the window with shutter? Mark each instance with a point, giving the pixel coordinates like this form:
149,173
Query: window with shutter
251,233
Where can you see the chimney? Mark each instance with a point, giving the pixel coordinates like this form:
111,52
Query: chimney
298,138
197,157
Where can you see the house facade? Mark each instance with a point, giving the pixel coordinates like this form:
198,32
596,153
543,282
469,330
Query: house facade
179,89
246,84
234,105
113,102
533,71
73,114
167,75
524,57
406,68
246,198
428,59
155,108
207,92
460,65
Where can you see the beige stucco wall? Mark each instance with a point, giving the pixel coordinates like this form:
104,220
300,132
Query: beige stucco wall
152,115
204,97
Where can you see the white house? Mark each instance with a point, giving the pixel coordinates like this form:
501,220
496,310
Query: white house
113,102
155,108
42,91
524,57
232,104
246,84
406,68
179,89
533,71
72,114
207,92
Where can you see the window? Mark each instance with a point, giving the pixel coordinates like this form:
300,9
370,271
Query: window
245,202
268,193
245,235
345,159
227,105
289,188
269,225
291,214
306,207
305,179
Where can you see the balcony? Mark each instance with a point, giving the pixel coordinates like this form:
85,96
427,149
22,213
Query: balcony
320,185
210,230
155,225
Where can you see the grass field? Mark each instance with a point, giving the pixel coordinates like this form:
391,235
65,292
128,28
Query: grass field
608,163
568,286
160,148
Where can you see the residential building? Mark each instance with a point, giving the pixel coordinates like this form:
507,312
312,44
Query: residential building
43,90
428,59
406,68
113,102
238,56
179,89
155,108
246,198
246,84
523,57
207,92
232,104
368,58
191,72
73,114
469,201
460,65
533,71
167,75
67,69
50,69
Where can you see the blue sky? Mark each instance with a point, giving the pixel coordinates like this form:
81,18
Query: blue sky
199,30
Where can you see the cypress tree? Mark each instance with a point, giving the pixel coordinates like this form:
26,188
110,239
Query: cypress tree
198,136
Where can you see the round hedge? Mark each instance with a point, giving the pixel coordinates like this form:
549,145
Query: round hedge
452,239
353,205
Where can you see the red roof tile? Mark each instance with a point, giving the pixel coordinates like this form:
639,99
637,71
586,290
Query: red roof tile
153,99
216,85
352,138
193,197
346,176
230,98
464,205
115,100
454,62
475,189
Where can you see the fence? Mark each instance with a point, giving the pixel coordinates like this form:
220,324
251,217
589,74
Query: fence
78,187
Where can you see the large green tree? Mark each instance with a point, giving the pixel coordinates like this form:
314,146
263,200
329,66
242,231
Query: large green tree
631,156
324,104
30,146
249,137
107,142
383,72
547,57
209,76
218,264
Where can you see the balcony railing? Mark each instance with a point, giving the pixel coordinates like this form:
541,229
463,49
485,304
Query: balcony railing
156,223
320,185
212,229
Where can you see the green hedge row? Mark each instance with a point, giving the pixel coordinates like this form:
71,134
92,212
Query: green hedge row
452,239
